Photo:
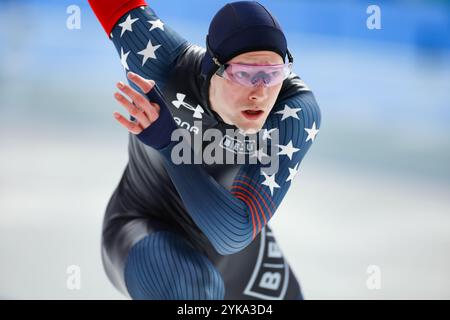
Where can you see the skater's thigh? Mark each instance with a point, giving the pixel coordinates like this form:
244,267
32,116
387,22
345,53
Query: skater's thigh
164,266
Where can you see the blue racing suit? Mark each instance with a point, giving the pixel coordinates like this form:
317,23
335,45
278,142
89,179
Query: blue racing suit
197,231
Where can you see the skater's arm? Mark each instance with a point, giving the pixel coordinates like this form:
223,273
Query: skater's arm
146,45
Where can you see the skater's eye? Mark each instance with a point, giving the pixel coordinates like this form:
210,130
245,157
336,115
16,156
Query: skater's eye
242,75
275,74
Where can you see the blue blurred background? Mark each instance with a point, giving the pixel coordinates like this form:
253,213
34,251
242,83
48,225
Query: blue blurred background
373,190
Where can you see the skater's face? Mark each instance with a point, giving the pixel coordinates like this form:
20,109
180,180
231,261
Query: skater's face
245,107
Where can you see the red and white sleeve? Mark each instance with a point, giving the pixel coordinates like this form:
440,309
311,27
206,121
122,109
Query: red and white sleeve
108,12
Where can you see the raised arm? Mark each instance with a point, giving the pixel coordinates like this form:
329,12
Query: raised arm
145,44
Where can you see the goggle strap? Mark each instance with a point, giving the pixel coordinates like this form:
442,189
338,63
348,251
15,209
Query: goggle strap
290,57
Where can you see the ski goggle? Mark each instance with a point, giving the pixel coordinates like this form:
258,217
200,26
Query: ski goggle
253,75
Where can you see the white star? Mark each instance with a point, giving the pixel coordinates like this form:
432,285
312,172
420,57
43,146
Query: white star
126,25
312,132
266,134
149,52
123,58
259,154
292,172
288,150
143,7
289,112
270,182
157,24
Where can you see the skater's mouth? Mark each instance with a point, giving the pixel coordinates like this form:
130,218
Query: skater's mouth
252,114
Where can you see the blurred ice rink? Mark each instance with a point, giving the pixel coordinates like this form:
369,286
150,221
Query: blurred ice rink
373,190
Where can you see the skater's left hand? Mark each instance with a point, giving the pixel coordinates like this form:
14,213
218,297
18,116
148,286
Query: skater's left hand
144,111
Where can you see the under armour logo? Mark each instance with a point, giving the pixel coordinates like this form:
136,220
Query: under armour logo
180,102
